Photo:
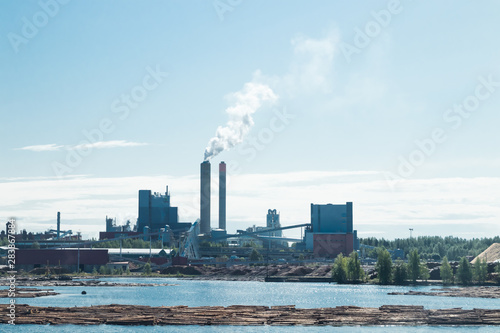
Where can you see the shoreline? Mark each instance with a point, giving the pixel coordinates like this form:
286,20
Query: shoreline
76,282
28,293
489,291
243,315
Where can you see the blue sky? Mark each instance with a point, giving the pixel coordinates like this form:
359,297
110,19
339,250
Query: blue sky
392,105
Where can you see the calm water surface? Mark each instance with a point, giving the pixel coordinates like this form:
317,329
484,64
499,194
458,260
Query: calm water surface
211,293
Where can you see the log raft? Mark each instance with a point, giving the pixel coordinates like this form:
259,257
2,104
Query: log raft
27,293
476,292
246,315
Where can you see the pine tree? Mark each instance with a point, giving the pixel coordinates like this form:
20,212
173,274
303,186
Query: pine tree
255,255
400,272
424,272
481,270
445,271
464,271
414,265
339,270
147,269
384,266
354,271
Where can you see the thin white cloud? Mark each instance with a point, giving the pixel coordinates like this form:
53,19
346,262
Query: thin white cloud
94,145
109,144
38,148
21,179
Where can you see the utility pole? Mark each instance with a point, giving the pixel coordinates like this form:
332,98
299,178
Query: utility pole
78,264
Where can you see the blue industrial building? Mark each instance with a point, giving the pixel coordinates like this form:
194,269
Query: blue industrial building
332,218
331,231
155,212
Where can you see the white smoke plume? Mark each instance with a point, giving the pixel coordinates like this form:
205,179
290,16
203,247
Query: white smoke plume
246,102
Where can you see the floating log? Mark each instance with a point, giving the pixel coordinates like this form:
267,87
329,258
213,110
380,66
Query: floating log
115,314
478,292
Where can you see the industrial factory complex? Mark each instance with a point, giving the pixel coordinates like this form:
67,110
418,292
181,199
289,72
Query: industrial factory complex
328,233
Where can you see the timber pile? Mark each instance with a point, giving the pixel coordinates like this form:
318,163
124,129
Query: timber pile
250,315
490,254
478,292
249,273
28,293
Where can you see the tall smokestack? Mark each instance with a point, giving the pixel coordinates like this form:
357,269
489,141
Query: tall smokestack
205,197
58,224
222,195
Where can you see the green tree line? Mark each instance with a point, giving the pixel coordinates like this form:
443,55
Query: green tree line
347,269
129,243
400,273
433,247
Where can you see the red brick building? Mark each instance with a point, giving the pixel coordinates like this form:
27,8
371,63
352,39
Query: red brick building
87,259
331,245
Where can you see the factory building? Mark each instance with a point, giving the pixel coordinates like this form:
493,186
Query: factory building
331,231
244,240
70,259
332,218
111,226
273,222
116,231
155,212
